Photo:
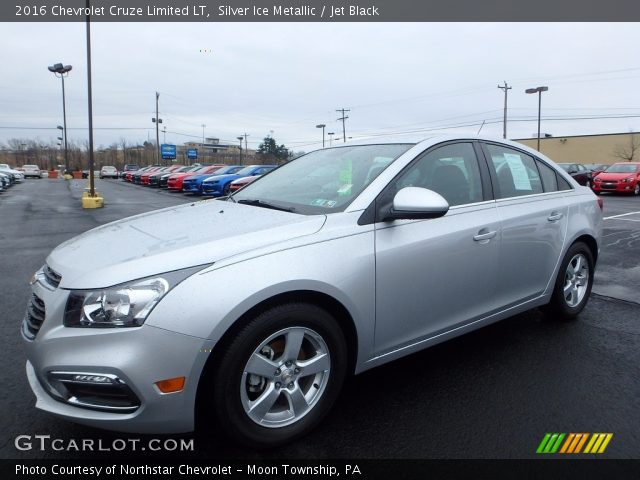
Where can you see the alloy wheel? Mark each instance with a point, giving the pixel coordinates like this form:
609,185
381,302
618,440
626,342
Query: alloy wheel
285,377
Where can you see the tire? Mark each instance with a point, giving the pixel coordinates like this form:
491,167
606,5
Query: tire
636,190
259,409
226,189
573,285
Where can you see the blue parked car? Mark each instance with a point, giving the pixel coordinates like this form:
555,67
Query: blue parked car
219,185
193,183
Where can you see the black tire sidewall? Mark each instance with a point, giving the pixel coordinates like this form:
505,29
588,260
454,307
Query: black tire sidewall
558,305
228,375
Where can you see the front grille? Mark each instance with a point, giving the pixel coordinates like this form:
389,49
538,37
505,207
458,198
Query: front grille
52,277
34,317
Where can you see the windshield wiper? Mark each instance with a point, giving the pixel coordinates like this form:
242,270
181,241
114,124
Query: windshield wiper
263,204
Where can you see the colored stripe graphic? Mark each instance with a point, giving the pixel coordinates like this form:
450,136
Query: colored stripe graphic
553,443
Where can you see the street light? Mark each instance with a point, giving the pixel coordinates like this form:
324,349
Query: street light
322,125
539,91
331,134
62,71
240,138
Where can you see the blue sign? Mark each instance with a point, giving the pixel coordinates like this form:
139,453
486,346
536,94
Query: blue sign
192,153
167,151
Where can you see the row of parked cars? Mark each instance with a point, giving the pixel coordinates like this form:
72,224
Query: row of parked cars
210,180
622,177
9,177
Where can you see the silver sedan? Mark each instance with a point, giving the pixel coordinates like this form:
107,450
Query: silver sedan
252,311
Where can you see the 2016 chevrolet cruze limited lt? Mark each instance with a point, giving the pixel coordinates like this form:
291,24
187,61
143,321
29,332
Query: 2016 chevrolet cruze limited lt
256,309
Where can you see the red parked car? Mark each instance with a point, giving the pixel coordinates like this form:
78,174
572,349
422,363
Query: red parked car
174,183
241,182
621,177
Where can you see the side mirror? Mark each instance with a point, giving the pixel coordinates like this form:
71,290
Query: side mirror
414,203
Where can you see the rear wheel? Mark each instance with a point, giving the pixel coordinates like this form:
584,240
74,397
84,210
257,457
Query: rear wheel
573,285
280,375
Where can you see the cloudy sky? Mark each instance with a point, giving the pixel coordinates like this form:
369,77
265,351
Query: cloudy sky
260,78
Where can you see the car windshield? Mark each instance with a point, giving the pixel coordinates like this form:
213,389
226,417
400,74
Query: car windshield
225,170
622,168
246,170
565,166
324,181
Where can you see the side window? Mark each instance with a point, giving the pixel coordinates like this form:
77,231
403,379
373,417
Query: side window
516,172
562,183
452,171
548,175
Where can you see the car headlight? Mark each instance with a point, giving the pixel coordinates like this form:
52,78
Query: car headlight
126,305
627,180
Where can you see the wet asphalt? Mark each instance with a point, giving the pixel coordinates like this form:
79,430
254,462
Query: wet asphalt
493,393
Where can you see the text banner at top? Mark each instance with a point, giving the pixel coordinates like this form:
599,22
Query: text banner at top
319,11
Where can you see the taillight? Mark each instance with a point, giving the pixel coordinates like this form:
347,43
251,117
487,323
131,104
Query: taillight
600,201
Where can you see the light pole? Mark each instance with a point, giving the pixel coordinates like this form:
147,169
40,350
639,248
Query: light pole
322,125
202,146
331,134
62,71
539,91
240,138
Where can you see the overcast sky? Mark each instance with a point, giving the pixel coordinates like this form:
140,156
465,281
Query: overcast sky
287,78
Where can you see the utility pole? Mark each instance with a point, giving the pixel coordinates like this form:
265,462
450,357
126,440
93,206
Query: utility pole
157,130
505,88
164,134
343,118
245,143
157,121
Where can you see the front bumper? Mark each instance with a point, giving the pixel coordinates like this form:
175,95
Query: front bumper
137,357
191,188
212,190
614,187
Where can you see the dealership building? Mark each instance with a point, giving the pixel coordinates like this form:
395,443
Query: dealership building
603,148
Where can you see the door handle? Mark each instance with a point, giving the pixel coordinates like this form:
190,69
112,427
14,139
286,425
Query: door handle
555,216
484,234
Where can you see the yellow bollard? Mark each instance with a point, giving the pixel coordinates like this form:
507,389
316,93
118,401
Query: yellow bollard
92,202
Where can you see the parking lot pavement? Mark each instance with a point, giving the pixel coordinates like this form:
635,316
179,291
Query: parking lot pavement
618,272
489,394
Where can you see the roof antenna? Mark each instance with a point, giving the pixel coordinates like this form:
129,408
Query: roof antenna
480,127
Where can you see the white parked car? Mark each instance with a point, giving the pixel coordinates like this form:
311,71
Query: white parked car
109,172
32,171
16,175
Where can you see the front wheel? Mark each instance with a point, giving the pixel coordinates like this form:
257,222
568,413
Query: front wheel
636,190
280,375
574,282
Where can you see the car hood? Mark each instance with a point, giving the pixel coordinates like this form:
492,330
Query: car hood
608,176
171,239
225,176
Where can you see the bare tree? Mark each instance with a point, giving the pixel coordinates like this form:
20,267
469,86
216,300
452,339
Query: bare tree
628,152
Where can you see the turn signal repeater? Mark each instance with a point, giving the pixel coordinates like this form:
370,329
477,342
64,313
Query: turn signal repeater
171,385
